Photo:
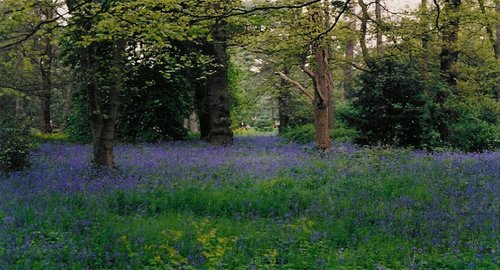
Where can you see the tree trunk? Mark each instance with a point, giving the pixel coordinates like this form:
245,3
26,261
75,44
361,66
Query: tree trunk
449,53
331,102
68,94
362,34
322,88
18,111
220,121
46,71
284,99
45,126
378,20
497,50
424,63
102,120
102,115
193,127
102,124
494,40
201,94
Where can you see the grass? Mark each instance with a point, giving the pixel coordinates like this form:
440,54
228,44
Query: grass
260,204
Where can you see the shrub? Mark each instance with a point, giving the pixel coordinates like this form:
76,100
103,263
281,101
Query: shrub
476,126
393,106
78,129
52,137
474,135
307,133
301,134
15,146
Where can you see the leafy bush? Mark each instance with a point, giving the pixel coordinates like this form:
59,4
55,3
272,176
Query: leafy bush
78,129
307,133
15,146
393,106
301,134
475,128
473,135
147,94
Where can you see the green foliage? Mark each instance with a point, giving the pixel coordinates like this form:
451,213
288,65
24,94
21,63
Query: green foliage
237,99
51,137
301,134
393,105
78,129
154,106
307,133
264,122
353,211
15,145
475,127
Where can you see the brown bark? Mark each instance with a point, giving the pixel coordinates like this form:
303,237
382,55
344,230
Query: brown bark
322,81
322,87
218,98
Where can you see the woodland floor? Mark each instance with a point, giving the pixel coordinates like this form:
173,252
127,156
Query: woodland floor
260,204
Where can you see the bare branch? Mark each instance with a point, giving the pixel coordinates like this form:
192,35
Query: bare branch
304,68
296,84
337,19
438,7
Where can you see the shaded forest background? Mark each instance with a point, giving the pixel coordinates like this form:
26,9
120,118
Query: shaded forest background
102,71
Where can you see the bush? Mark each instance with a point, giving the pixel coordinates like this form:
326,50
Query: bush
393,106
51,137
78,129
301,134
476,128
15,147
474,135
307,133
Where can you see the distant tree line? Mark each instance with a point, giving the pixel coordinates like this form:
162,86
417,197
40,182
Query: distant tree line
106,70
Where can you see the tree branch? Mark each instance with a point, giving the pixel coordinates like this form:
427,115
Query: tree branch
241,11
337,19
296,84
309,72
489,30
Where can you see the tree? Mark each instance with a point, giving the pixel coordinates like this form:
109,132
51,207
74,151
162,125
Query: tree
27,44
449,35
102,106
218,92
494,38
321,23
